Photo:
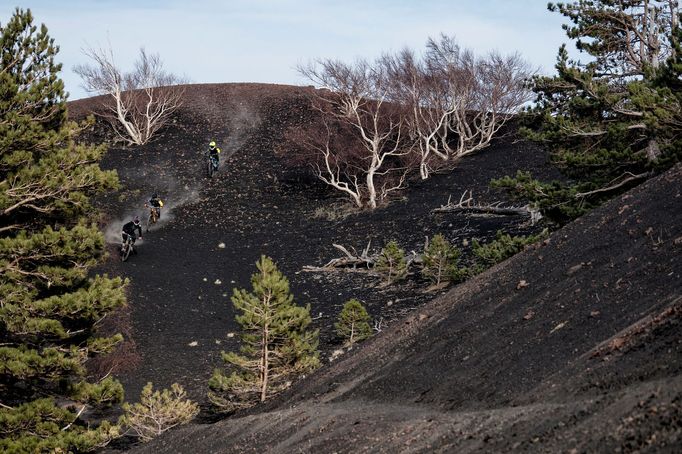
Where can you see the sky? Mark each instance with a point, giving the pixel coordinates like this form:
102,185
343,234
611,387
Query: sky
210,41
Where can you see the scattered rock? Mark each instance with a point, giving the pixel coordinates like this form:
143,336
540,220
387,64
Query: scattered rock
522,284
230,335
218,282
558,327
529,315
575,268
193,344
221,246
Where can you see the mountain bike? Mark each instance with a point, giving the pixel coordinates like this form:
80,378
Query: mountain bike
154,214
212,165
126,247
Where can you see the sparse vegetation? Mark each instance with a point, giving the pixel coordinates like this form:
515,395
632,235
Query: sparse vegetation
440,261
353,323
392,263
51,303
335,212
277,344
501,248
158,411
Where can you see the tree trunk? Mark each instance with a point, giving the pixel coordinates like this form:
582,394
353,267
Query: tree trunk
264,364
371,190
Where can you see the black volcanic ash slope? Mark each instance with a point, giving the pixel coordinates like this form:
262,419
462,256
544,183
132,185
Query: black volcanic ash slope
181,281
586,357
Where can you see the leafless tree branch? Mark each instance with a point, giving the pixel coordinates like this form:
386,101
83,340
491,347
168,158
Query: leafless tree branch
138,103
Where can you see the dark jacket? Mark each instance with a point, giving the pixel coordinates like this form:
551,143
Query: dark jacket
156,203
130,228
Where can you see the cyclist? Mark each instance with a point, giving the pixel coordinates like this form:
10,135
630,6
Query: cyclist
213,153
156,203
129,230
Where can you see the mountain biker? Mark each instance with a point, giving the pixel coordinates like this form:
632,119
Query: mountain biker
156,203
213,153
129,230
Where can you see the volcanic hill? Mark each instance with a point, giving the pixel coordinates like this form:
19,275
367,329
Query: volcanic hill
572,344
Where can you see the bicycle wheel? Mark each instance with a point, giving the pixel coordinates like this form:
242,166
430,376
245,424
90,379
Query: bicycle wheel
151,219
125,252
210,168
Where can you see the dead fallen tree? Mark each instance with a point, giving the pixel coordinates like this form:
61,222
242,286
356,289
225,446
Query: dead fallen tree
467,204
351,261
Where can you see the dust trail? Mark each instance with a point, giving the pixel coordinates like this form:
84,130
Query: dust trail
239,125
242,122
172,194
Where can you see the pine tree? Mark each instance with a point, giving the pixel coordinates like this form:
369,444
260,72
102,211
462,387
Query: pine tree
353,323
501,248
440,261
158,411
614,121
392,263
48,242
277,344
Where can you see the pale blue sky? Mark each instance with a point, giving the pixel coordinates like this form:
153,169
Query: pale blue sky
264,40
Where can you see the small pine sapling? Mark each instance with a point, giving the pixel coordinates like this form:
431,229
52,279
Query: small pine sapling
392,263
440,261
158,411
353,323
277,345
503,247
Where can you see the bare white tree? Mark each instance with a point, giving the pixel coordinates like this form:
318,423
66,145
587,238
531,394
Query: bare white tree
368,166
456,102
138,103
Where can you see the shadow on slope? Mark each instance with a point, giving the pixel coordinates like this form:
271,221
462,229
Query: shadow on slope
587,356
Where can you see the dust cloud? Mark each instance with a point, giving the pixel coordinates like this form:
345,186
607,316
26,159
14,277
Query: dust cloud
172,193
241,122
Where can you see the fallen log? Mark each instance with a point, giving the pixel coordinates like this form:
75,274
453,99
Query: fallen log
354,262
350,261
467,204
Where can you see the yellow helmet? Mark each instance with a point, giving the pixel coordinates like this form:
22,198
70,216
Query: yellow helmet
212,144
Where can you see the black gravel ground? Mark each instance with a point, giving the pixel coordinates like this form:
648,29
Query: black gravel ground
578,358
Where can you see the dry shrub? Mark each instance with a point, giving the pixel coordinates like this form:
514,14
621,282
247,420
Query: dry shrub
125,356
158,411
